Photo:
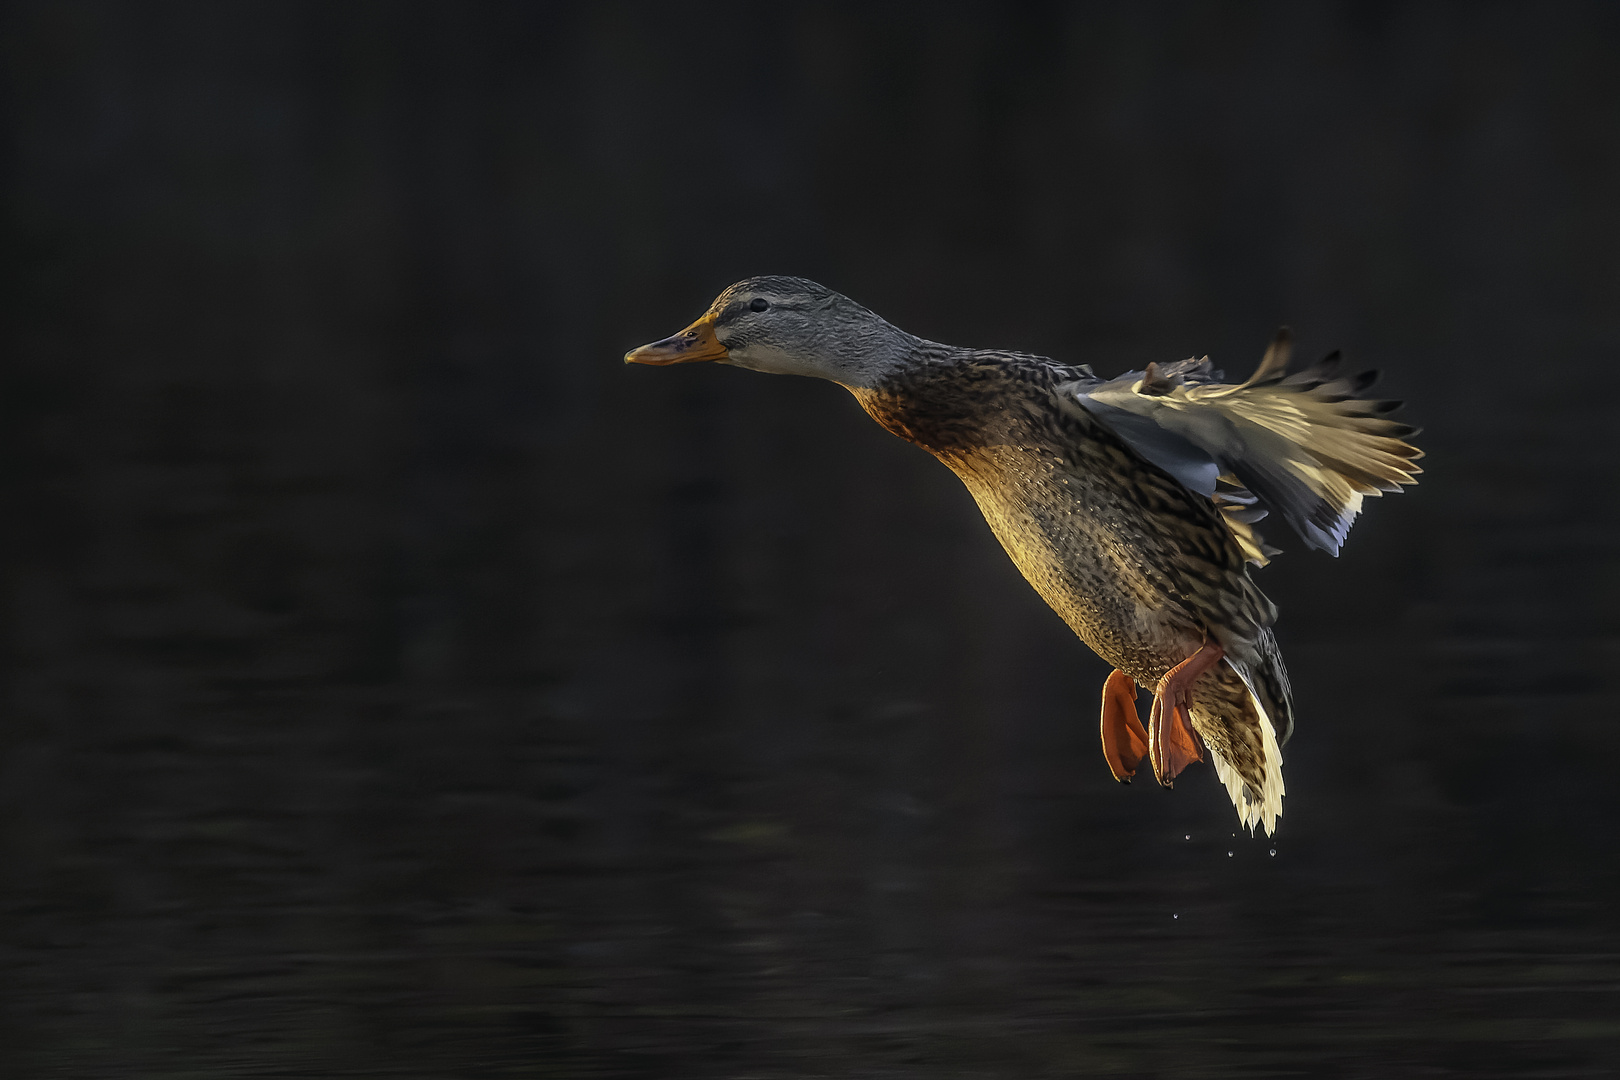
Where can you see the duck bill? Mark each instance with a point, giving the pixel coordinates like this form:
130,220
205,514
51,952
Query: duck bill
696,342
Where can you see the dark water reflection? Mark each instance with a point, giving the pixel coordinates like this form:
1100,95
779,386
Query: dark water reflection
397,686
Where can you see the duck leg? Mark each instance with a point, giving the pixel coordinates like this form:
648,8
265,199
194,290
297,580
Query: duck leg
1172,743
1125,741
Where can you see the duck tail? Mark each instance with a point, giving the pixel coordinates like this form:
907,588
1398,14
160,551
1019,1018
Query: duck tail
1260,806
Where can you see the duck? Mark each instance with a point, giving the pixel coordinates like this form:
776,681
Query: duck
1129,504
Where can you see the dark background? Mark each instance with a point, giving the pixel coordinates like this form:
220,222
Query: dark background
395,684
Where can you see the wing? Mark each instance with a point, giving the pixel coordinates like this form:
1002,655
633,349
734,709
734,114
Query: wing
1308,447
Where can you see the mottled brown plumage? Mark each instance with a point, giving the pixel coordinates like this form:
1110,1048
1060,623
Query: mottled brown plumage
1139,567
1123,503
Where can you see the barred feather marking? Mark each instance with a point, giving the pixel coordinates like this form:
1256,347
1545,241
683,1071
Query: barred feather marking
1307,445
1263,807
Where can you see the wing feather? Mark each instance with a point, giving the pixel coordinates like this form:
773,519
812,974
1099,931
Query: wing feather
1307,447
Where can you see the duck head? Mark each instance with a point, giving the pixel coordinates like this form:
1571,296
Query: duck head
786,326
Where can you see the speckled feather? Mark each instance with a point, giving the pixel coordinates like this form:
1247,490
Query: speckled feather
1138,566
1128,504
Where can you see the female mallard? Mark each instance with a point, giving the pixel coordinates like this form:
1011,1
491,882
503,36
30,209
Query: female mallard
1127,503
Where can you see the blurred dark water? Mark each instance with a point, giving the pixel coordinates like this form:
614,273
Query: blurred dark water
397,685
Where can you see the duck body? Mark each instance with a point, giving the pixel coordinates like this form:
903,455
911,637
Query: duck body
1127,503
1143,570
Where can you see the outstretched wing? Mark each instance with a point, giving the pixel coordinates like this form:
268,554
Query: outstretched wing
1308,447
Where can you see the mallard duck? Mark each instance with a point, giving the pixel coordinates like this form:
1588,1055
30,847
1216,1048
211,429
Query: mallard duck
1129,503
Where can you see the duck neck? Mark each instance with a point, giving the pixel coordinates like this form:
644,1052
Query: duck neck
883,353
940,398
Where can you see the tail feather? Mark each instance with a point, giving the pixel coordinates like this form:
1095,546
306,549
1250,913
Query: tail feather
1261,807
1244,748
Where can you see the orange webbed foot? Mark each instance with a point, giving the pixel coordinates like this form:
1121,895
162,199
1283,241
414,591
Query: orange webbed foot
1124,740
1172,742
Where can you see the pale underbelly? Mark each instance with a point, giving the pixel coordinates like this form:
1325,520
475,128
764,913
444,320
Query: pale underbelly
1088,570
1077,545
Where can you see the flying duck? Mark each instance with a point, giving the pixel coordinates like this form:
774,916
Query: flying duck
1128,503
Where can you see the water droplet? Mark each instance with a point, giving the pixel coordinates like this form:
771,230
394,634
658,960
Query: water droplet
1273,853
1175,916
1187,837
1228,854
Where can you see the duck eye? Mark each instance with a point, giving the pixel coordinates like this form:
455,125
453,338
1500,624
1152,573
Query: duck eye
758,303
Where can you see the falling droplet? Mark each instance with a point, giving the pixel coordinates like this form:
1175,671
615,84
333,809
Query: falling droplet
1175,916
1273,853
1228,854
1187,837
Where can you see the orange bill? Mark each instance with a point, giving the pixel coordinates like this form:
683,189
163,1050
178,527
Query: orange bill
696,342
